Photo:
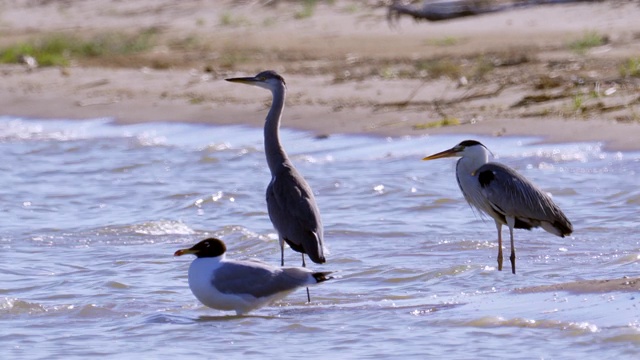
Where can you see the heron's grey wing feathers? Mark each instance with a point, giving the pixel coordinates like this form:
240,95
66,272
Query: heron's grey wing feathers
258,279
293,211
512,194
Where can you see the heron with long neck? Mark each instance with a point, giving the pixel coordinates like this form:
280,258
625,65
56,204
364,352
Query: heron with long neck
500,192
290,201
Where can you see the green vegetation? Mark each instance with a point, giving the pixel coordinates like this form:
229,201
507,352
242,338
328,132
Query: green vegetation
228,19
231,58
352,8
444,41
190,42
439,68
630,68
59,48
578,103
447,121
482,67
589,40
269,21
388,73
308,8
195,99
474,68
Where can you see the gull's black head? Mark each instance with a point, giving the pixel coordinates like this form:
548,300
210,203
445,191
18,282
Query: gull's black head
210,247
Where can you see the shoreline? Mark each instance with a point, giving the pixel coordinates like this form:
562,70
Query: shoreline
94,93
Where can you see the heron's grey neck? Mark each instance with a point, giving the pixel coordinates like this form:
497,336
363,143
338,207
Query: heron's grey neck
272,147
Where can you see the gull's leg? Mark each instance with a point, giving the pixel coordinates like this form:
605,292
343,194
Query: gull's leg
511,222
305,265
499,227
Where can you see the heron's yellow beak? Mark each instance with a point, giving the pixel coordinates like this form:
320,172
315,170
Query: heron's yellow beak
244,80
443,154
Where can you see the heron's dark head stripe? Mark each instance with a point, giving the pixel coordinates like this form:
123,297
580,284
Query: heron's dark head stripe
468,143
270,74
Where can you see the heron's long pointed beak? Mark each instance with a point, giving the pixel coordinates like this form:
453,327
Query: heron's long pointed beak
251,80
183,252
443,154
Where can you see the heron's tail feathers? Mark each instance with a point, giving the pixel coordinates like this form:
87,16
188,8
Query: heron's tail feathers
316,248
317,258
560,227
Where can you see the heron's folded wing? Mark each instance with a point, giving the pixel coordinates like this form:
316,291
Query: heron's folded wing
293,210
512,194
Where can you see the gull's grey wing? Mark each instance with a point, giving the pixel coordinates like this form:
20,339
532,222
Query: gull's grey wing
258,279
511,194
294,213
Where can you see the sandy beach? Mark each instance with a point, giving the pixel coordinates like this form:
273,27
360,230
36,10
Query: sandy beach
347,69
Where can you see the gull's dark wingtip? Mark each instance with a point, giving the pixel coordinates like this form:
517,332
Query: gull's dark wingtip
322,276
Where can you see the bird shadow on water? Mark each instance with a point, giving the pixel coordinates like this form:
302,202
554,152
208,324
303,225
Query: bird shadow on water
417,309
207,318
297,311
187,320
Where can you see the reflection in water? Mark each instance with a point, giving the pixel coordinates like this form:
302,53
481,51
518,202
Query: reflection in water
93,212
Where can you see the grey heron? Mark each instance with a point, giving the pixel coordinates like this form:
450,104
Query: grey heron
500,192
241,286
290,201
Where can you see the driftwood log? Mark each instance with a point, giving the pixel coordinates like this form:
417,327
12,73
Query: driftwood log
440,10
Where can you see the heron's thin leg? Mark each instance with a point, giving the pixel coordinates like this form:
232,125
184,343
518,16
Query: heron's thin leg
499,227
281,253
513,253
511,222
305,265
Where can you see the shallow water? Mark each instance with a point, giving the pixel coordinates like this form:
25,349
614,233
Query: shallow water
92,213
